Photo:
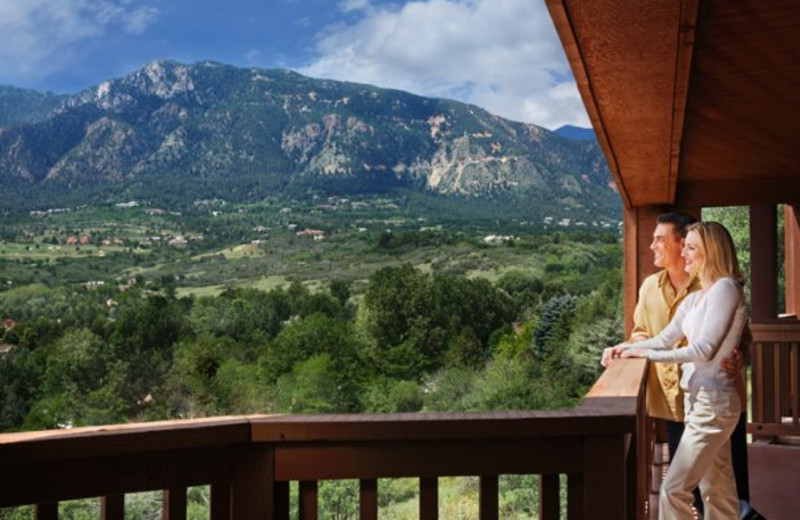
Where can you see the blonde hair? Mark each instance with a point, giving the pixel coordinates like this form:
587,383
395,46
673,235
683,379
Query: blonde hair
720,253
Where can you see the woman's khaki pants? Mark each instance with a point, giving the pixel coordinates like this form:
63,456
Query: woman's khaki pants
703,458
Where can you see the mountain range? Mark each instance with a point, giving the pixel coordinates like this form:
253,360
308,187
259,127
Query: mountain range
178,132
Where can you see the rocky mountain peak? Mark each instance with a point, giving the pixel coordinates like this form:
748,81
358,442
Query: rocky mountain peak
273,128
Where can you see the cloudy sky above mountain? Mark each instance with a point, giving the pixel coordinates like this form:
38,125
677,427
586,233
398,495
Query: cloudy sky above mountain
502,55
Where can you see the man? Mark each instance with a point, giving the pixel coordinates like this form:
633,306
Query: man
659,297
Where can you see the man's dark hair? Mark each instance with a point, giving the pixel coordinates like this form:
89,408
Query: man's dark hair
679,221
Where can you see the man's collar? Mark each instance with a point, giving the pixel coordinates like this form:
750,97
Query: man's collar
691,286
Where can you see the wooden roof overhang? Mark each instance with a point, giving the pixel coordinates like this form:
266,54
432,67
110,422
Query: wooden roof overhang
694,102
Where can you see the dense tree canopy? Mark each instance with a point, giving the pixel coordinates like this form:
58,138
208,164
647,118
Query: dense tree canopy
407,340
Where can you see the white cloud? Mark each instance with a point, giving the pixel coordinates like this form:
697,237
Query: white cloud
252,56
502,55
43,36
139,20
347,6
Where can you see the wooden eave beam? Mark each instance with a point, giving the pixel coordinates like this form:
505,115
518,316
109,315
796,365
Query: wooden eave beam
683,66
634,170
738,192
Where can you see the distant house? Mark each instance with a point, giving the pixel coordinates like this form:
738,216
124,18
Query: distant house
317,234
85,240
71,241
178,241
497,239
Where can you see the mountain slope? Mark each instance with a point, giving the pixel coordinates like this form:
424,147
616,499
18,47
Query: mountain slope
215,130
19,105
576,132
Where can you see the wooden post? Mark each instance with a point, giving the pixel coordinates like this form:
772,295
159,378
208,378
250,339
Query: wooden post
792,266
763,265
637,260
252,489
604,472
220,501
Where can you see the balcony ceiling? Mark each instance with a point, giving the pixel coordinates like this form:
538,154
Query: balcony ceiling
695,102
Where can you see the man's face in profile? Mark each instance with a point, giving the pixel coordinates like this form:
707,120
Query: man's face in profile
666,247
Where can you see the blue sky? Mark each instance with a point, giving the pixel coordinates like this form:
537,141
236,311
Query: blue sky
502,55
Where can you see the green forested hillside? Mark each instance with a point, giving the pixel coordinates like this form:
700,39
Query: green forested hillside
407,340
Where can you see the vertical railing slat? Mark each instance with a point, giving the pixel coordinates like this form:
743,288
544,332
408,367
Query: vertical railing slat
487,497
758,382
46,511
549,498
575,496
309,500
174,504
636,488
776,382
643,452
112,507
428,498
786,379
368,499
794,360
282,501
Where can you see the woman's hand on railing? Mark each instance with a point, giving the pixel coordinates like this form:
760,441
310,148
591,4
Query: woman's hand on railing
611,353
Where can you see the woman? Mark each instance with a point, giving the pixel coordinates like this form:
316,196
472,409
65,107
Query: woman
711,320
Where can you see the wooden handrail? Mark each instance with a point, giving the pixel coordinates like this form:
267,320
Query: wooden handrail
249,460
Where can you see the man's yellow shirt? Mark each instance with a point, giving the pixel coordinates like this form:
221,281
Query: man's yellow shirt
657,303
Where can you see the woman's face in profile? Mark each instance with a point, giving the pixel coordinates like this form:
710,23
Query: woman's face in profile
693,253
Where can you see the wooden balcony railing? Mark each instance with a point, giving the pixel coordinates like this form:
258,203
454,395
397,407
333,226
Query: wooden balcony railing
248,461
776,380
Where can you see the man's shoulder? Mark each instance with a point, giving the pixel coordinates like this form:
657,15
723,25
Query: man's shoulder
654,280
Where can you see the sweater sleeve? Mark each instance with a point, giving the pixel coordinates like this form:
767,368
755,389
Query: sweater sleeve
671,334
721,303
